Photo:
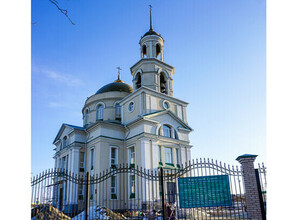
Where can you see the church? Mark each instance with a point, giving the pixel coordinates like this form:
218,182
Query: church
142,124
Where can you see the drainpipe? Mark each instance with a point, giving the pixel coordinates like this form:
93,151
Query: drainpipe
85,155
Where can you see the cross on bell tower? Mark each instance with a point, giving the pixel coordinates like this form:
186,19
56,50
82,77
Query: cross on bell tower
151,17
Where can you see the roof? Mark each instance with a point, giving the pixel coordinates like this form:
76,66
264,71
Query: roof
151,32
75,127
167,111
63,127
119,86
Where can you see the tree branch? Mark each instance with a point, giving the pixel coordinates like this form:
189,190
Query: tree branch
63,11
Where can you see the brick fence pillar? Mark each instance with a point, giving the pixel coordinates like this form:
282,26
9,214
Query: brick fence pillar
250,185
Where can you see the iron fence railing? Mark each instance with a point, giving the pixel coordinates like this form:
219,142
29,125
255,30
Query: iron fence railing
127,192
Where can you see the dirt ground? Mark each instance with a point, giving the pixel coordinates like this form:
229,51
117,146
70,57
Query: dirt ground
42,212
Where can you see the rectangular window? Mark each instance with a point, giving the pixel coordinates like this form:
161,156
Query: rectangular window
118,111
81,162
114,157
91,193
168,155
67,162
113,187
132,157
80,192
159,154
177,156
91,158
132,186
166,131
63,163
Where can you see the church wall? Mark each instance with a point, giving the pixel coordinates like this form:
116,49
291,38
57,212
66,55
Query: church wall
102,154
154,104
79,137
183,135
149,128
107,131
108,99
113,132
135,130
130,116
103,97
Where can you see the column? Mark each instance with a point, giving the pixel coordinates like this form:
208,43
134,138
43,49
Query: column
154,154
183,155
145,163
250,185
74,169
55,162
75,160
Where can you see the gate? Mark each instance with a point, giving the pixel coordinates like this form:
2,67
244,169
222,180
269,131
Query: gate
127,192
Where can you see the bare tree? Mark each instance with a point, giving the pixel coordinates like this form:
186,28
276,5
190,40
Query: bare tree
63,11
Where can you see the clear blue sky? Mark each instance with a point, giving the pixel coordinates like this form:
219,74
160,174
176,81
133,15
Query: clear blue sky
217,49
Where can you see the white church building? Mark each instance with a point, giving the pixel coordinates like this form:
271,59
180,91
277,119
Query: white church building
140,125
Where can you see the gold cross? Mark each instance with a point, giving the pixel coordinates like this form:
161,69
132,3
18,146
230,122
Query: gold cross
119,69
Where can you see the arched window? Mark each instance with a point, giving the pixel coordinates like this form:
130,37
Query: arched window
144,50
118,111
158,50
166,131
99,112
64,142
86,117
162,84
138,80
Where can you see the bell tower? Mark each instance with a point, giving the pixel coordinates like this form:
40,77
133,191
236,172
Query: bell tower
151,44
151,71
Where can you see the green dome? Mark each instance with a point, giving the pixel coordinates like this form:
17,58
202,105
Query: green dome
117,85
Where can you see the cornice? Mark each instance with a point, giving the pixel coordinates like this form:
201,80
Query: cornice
147,60
158,94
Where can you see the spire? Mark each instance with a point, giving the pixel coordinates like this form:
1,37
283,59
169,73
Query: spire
151,17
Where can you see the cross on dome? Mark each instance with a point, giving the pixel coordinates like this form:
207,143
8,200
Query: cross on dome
119,73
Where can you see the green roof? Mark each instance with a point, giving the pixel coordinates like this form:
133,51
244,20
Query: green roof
246,156
116,86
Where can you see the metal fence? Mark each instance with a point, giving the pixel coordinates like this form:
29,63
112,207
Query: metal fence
128,192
